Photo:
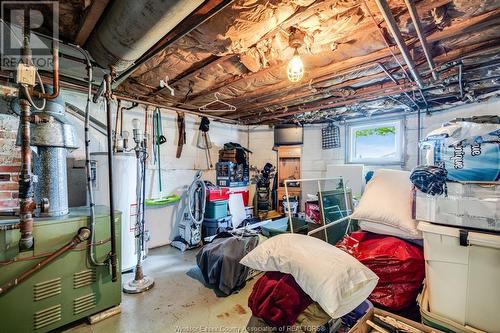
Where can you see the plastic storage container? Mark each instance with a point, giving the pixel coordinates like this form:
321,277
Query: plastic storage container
463,280
216,209
471,205
211,227
217,193
243,190
280,226
436,321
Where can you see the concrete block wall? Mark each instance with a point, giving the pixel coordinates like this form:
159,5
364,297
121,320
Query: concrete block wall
177,174
315,160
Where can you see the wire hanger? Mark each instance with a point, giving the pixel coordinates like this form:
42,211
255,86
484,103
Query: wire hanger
227,107
164,84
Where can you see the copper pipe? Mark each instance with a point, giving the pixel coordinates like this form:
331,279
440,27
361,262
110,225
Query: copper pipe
47,254
55,75
26,203
82,235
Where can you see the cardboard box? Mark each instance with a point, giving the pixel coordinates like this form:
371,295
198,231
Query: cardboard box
363,327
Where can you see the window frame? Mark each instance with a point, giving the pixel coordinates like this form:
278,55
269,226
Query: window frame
400,125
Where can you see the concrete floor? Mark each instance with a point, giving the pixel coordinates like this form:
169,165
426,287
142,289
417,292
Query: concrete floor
179,302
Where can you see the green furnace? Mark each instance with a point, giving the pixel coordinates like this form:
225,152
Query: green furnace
67,289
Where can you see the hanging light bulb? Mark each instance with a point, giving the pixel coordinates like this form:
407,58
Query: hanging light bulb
295,69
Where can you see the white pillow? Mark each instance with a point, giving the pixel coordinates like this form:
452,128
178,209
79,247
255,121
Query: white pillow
387,200
331,277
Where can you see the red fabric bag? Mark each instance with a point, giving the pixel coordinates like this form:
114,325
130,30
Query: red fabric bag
399,265
277,299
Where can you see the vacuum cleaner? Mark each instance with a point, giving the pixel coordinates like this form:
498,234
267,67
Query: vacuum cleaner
192,218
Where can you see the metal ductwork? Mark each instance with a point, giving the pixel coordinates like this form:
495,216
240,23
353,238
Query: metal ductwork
131,27
52,135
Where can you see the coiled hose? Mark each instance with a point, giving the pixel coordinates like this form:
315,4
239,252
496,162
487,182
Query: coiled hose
194,194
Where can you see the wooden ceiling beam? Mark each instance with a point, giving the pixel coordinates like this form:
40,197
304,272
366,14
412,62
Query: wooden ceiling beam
192,71
422,7
473,24
452,55
363,94
292,20
92,15
475,50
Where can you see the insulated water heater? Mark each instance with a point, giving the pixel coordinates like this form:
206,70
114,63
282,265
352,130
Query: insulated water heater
124,183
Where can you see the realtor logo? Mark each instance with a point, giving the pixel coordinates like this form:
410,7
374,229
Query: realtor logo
41,18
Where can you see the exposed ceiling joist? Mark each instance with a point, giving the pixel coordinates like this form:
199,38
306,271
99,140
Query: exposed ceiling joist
473,24
422,7
90,19
206,11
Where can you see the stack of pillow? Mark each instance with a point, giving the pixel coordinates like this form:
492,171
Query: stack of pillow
390,235
386,205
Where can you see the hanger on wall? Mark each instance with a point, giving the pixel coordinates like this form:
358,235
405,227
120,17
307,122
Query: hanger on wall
224,107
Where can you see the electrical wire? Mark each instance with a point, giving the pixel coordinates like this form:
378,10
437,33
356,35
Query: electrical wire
28,96
88,167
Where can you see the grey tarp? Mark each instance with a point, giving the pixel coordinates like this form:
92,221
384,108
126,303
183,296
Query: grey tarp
220,265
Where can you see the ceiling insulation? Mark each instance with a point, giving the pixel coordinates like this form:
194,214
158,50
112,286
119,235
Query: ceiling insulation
242,51
247,49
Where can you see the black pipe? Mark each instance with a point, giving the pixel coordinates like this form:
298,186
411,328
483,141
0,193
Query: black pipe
108,96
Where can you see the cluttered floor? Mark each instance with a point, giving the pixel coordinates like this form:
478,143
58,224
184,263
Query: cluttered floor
179,301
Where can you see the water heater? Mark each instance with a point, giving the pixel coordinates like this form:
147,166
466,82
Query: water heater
124,182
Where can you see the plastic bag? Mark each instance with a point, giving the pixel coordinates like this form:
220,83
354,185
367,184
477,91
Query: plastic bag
399,265
469,149
477,162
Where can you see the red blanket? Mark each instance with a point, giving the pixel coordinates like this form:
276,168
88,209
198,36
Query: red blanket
277,299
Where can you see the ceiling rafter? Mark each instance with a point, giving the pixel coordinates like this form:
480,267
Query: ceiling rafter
92,15
422,7
476,23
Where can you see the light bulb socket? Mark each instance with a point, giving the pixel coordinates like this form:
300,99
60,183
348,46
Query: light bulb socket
296,38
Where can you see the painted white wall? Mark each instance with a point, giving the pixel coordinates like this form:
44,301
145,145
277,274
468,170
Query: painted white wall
314,159
176,174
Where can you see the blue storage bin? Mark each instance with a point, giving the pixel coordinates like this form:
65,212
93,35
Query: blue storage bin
216,209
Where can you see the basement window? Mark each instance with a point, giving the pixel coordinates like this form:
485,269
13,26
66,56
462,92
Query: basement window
378,143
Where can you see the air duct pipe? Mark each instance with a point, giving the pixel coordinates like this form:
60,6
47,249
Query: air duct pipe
131,28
